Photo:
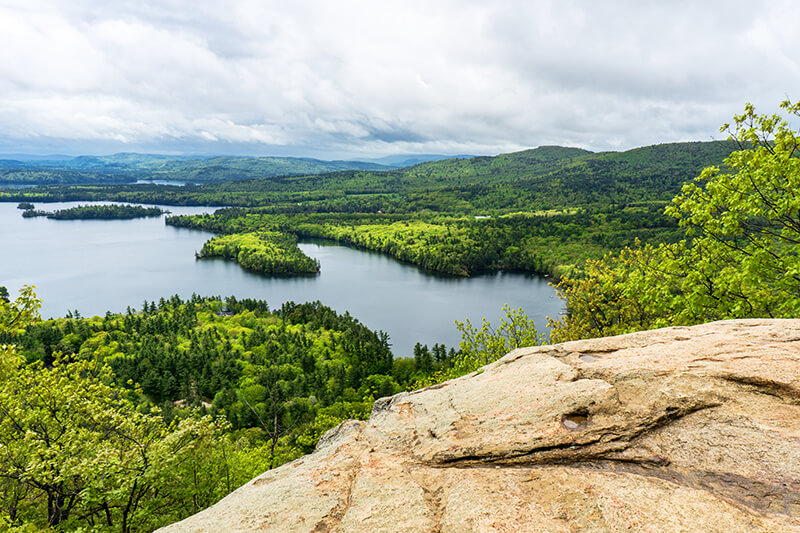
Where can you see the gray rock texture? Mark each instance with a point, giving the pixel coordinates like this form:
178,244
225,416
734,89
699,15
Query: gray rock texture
678,429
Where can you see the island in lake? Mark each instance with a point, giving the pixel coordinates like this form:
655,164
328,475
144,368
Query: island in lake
100,212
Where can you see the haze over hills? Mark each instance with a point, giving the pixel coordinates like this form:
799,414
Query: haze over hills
20,157
407,160
539,178
131,167
544,177
128,167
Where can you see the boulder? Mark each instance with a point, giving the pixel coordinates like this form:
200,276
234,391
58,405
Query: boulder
679,429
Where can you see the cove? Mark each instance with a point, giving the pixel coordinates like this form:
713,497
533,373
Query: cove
94,266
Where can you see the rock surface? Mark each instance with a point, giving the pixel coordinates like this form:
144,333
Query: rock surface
678,429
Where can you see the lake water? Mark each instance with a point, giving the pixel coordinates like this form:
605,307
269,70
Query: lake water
94,266
17,185
162,182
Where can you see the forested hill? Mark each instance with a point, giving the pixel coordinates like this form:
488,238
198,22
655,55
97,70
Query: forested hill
548,177
533,162
130,167
569,176
223,168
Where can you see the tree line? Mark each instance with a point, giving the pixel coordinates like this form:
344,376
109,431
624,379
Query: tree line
88,212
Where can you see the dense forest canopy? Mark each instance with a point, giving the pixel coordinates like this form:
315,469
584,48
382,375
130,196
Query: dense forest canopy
545,243
131,421
539,179
128,168
267,252
100,212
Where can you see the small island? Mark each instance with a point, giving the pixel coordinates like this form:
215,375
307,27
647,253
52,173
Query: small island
32,213
100,212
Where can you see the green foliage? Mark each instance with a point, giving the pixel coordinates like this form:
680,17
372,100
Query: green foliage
479,347
76,452
266,371
550,242
106,212
431,246
550,208
540,179
31,175
81,445
100,212
740,256
268,252
14,318
210,169
617,294
745,224
24,310
127,167
329,417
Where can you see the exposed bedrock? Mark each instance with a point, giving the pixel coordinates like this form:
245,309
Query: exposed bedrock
678,429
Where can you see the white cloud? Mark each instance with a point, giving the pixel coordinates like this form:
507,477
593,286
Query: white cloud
361,77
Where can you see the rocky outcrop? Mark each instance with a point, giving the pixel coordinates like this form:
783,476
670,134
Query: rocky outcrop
678,429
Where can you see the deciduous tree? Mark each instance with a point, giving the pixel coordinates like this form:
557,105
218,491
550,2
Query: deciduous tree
740,256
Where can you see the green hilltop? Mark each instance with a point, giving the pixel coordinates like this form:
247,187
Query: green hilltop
543,178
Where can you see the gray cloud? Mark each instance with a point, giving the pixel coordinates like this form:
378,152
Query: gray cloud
338,79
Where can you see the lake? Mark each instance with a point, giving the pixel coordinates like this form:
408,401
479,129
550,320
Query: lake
94,266
162,182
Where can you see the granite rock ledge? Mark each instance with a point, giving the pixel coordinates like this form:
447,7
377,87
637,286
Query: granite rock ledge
678,429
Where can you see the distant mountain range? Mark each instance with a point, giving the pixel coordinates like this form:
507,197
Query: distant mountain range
552,171
35,157
132,167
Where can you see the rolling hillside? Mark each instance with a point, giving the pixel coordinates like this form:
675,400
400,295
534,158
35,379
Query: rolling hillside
543,178
129,167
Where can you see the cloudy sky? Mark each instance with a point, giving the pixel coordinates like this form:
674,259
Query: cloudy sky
336,79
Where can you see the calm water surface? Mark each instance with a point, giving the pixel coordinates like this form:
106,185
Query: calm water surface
97,265
162,182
